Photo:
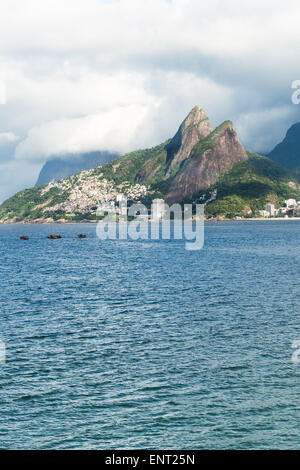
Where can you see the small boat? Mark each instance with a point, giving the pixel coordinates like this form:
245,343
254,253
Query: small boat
81,235
54,237
24,238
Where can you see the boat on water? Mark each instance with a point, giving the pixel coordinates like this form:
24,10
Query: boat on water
54,237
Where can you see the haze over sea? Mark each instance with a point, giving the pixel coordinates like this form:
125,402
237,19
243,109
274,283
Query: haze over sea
142,344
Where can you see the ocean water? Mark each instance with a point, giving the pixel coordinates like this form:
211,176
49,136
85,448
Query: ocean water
142,344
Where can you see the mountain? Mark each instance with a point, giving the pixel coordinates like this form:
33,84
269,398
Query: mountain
287,153
250,185
58,168
195,127
196,163
210,157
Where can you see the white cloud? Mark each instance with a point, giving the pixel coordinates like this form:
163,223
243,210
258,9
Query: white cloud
16,174
113,130
259,126
8,137
122,74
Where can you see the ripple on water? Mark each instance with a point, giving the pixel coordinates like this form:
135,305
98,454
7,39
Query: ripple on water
146,345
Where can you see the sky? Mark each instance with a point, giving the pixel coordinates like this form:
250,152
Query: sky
117,75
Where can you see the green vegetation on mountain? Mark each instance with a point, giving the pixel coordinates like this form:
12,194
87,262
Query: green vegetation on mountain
142,165
29,203
208,143
195,164
250,185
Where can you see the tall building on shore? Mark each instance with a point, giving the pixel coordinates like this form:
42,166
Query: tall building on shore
158,209
271,209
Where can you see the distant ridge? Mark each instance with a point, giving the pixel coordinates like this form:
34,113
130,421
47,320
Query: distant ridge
287,153
67,165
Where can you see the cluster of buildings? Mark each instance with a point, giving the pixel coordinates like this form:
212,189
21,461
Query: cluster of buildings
85,191
291,208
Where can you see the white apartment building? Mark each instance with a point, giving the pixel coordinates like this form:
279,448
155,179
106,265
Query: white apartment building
291,203
270,208
120,198
263,213
158,209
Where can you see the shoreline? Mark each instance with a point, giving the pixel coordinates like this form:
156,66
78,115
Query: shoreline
253,219
250,219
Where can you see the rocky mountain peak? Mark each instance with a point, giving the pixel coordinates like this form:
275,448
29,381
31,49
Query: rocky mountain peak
195,127
225,139
210,158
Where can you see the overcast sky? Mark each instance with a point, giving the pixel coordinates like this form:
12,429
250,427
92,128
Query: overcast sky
83,75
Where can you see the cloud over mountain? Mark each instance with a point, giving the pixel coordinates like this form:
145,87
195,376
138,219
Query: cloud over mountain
116,75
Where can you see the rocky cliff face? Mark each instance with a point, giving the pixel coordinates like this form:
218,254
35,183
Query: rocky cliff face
195,127
176,170
209,159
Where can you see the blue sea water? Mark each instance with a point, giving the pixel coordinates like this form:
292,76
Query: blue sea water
142,344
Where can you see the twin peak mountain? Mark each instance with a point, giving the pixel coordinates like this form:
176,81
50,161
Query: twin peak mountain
198,155
181,169
190,162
